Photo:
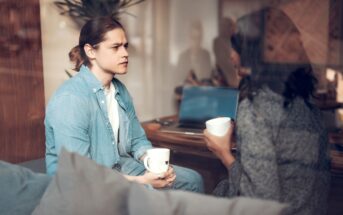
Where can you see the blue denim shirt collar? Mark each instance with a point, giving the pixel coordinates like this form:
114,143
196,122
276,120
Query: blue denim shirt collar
95,85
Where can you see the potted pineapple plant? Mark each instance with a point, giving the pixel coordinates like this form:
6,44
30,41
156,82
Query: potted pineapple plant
82,10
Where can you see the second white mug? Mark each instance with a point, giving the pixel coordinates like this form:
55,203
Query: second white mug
218,126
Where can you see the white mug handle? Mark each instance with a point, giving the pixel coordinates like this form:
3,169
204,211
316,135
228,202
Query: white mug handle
146,163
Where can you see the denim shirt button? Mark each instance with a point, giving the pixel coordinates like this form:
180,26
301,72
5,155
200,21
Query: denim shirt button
102,101
94,90
117,166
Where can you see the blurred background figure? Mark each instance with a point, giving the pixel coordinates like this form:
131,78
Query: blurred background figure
225,57
194,64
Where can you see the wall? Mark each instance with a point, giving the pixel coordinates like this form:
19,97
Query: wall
158,33
156,38
59,35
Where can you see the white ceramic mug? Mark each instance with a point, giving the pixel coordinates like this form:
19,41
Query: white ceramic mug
157,160
218,126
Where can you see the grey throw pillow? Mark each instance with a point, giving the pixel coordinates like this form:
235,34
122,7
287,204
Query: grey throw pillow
80,186
20,189
182,203
83,187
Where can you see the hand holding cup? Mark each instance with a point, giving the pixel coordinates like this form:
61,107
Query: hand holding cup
157,160
218,137
218,126
160,174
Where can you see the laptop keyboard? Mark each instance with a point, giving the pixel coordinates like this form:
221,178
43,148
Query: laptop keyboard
195,126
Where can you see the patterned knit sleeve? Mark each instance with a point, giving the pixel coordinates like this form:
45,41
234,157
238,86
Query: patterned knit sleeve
230,186
235,173
255,172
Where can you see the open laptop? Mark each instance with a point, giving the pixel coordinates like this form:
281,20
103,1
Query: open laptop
200,103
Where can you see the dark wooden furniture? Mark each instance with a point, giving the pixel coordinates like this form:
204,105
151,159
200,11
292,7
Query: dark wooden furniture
188,151
21,82
191,151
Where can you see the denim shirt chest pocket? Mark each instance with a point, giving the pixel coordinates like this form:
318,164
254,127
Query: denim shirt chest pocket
125,133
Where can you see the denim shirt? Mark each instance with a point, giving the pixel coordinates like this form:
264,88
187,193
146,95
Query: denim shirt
77,119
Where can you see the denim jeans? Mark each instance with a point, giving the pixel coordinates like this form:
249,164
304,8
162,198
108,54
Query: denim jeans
186,179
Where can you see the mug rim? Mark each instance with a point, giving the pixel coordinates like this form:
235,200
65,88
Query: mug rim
222,120
158,149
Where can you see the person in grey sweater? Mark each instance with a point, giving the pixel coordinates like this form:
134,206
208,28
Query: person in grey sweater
282,144
282,150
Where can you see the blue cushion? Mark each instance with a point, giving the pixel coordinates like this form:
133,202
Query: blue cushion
20,189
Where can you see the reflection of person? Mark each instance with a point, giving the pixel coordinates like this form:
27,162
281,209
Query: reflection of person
282,151
92,113
194,64
224,53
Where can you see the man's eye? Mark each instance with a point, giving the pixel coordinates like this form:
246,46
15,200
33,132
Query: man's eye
126,46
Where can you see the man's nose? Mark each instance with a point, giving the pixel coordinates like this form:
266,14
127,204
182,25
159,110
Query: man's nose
125,53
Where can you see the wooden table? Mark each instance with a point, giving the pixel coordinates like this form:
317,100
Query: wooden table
336,152
191,151
329,105
188,151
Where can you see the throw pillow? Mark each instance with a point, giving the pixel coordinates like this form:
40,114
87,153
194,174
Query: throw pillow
20,189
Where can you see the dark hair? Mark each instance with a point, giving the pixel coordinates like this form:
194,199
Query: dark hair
92,33
300,83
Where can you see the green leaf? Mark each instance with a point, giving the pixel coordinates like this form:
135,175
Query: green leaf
87,9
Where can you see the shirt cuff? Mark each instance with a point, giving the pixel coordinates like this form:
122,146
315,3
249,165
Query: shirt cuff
141,151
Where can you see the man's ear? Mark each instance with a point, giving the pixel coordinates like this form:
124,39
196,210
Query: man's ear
89,50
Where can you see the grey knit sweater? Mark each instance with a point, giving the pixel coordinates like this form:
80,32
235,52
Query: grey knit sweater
282,155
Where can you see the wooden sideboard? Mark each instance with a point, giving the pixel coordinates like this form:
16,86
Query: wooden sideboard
190,151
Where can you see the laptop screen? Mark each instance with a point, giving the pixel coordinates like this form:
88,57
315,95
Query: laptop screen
199,104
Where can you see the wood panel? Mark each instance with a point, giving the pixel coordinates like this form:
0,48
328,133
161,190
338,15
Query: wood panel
21,81
313,29
335,55
282,39
321,34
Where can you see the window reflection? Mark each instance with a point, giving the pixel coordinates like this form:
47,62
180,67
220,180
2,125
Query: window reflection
297,33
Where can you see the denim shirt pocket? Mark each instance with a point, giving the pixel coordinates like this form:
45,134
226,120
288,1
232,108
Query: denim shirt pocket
125,133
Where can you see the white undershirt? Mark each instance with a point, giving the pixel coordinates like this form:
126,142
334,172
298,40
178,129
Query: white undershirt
112,109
